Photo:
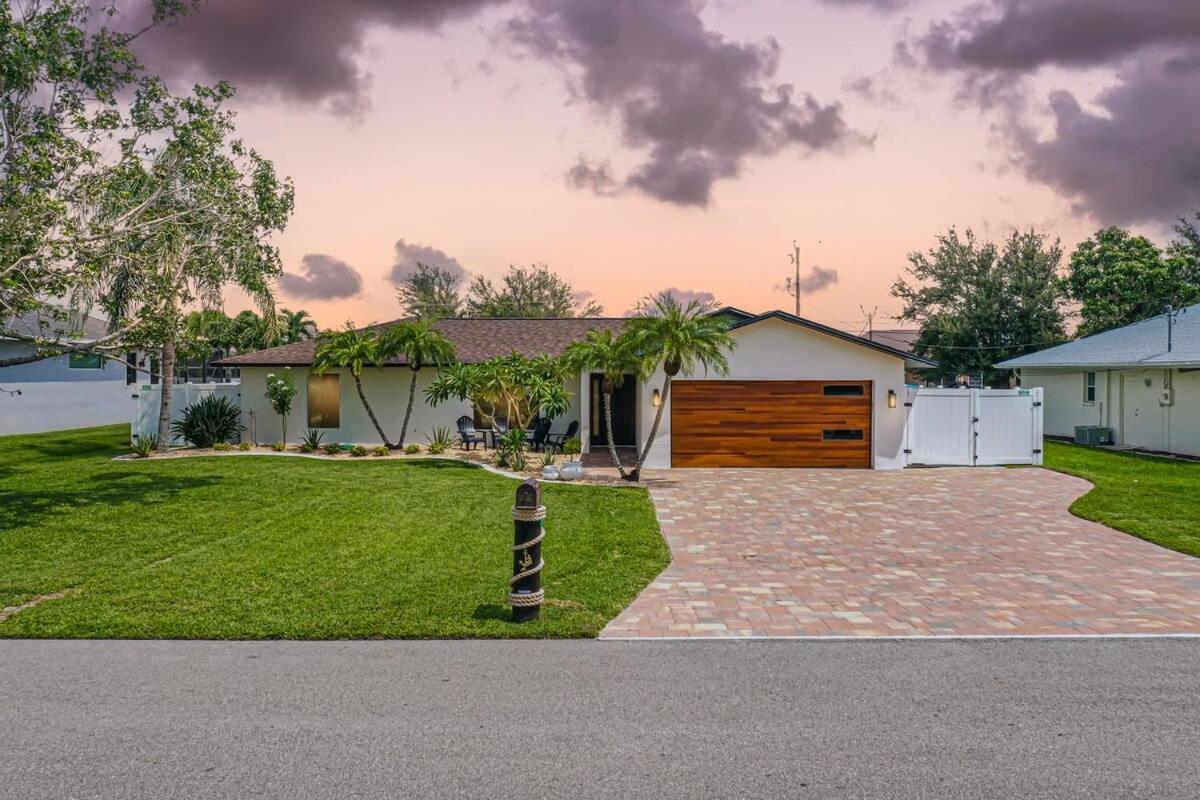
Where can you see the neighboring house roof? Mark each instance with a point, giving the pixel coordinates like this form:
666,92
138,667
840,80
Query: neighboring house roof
897,339
909,358
1142,344
479,339
44,325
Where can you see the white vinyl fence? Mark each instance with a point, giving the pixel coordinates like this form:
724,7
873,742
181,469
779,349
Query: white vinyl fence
147,399
974,427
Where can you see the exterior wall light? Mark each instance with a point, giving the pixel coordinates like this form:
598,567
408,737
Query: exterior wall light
656,398
891,398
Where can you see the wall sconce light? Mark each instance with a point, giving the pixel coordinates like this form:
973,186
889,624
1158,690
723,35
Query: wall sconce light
891,398
656,398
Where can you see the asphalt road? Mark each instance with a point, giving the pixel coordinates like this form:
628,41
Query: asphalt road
902,719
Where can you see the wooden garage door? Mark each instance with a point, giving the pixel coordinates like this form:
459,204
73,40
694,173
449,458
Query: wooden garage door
771,424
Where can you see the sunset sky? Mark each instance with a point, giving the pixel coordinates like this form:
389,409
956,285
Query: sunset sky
638,145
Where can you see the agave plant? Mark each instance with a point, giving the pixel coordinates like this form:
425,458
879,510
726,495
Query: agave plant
208,421
311,441
145,446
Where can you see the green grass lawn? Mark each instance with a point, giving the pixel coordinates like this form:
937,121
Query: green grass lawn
250,547
1157,499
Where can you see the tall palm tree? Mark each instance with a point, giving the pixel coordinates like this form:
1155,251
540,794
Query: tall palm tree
421,346
614,358
296,326
678,338
352,349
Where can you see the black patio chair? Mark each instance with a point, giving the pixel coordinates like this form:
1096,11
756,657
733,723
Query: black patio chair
555,441
467,434
536,438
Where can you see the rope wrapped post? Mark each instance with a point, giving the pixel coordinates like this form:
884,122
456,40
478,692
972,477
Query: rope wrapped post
525,589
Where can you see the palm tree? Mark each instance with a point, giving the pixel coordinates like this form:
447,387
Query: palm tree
614,358
352,349
421,346
296,326
678,338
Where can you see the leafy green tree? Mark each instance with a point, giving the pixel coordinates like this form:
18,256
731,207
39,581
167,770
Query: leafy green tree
978,303
430,292
67,121
614,357
1118,278
213,202
296,326
678,338
421,346
530,292
514,387
352,349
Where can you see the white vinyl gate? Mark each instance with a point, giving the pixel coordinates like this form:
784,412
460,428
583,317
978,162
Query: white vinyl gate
973,427
147,398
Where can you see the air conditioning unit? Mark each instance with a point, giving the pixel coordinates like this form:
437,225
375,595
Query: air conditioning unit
1092,434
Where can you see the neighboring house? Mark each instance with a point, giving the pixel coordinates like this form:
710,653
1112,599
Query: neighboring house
1128,380
799,394
903,340
67,391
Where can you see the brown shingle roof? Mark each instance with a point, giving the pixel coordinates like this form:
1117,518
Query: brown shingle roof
475,340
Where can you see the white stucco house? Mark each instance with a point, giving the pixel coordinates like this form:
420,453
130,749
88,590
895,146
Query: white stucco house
67,391
1142,382
798,394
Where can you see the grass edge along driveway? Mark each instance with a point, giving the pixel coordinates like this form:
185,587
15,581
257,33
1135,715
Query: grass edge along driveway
1152,498
292,548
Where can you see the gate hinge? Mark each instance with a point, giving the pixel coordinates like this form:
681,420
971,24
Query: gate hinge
908,405
975,419
908,452
1037,452
1037,404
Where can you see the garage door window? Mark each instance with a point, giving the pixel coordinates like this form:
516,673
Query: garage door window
843,390
844,435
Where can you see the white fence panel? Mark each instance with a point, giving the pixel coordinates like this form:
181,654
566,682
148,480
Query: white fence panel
974,427
939,427
148,398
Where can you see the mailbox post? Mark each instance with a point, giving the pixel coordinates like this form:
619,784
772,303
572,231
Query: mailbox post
525,589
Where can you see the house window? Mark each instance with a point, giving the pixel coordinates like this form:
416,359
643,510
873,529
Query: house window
843,390
844,435
324,402
85,361
1089,388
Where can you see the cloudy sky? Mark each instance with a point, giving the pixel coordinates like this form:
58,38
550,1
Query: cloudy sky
635,145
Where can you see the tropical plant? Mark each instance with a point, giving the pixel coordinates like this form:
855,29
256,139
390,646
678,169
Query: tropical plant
572,447
358,451
380,450
510,449
412,449
352,349
145,446
441,439
421,346
281,391
311,441
614,357
513,387
677,338
209,420
296,326
549,459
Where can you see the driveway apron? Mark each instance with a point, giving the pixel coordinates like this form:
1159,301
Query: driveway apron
945,552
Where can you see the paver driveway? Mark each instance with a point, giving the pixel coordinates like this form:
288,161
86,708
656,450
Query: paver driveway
917,552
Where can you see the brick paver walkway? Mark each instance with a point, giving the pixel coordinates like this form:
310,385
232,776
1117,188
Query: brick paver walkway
914,552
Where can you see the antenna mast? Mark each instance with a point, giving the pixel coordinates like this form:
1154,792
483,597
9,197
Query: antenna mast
795,259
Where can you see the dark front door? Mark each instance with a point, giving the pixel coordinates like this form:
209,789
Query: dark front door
624,413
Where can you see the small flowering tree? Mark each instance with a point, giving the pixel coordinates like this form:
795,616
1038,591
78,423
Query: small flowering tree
281,390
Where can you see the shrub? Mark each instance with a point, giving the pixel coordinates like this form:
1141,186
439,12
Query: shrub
380,451
412,449
222,447
333,448
208,421
244,447
572,447
279,447
311,441
281,390
145,446
511,450
358,451
441,439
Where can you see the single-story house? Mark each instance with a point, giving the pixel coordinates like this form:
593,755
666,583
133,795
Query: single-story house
74,390
1141,381
798,394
